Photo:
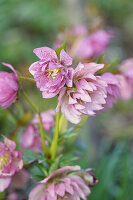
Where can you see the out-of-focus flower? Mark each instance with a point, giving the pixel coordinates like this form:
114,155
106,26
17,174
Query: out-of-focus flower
10,162
92,45
80,30
13,196
125,88
71,35
19,180
47,119
63,183
8,87
126,68
29,138
88,95
49,72
82,45
113,90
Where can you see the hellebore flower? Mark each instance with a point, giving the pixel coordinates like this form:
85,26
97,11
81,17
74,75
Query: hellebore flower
10,162
86,97
8,87
49,72
93,44
125,87
47,119
126,69
113,90
32,141
19,180
64,183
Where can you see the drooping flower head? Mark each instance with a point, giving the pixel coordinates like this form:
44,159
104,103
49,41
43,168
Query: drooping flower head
82,45
125,87
64,183
93,44
29,138
8,87
126,67
113,90
87,96
49,72
10,162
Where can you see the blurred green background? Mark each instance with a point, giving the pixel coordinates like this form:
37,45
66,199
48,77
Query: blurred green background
106,143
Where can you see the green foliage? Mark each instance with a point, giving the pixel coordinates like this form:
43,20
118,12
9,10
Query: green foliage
58,50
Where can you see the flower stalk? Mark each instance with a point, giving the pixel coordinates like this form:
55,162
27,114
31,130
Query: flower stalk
53,149
40,121
27,79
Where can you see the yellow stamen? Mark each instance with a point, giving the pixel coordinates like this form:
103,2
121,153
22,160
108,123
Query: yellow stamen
53,72
4,160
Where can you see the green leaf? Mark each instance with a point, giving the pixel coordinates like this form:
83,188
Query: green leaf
66,136
63,124
42,168
67,159
58,50
55,164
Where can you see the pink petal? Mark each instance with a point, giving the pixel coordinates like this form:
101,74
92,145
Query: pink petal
60,189
10,66
65,59
37,192
9,143
4,183
45,53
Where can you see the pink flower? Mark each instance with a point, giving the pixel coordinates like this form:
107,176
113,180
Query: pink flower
93,44
19,180
47,119
125,88
49,72
86,97
8,87
32,141
126,68
80,30
63,183
113,91
10,162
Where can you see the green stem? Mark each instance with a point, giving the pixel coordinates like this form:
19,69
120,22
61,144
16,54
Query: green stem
29,101
11,114
40,121
54,144
27,79
42,134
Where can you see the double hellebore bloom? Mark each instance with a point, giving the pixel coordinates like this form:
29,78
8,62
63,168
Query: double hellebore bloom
64,183
8,87
126,67
29,138
87,46
113,91
87,95
126,78
49,72
10,162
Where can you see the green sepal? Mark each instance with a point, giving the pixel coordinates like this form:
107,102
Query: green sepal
54,166
58,50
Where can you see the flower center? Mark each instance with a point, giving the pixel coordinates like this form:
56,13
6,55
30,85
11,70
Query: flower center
4,160
53,72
